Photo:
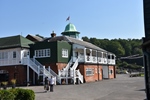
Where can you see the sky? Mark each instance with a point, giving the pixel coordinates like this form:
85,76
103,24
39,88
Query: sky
109,19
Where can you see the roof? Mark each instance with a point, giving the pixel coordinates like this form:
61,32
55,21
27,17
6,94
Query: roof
70,28
74,41
34,38
14,41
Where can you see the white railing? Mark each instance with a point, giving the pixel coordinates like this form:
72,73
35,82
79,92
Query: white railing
36,62
94,59
9,61
68,65
81,59
87,58
29,62
78,74
38,68
47,73
75,65
58,78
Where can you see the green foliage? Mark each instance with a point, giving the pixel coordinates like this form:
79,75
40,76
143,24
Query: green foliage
120,47
17,94
6,95
24,94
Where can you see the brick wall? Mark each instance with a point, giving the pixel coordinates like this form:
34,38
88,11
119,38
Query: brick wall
111,76
91,78
18,72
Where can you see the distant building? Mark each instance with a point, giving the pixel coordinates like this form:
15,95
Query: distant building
133,59
146,46
65,57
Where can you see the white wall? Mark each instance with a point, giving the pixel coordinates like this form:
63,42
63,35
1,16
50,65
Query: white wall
10,60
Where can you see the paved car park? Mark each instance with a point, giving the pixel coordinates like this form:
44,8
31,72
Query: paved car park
121,88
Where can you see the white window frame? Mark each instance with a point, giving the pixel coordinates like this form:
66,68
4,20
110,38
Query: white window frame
110,71
41,53
3,55
14,54
64,53
89,71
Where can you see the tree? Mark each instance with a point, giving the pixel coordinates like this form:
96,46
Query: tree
116,48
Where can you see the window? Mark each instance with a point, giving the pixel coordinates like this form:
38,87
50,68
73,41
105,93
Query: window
89,71
113,57
111,72
104,55
42,53
108,56
65,53
100,54
26,53
3,55
14,54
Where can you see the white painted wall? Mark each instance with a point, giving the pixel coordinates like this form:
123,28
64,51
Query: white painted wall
105,71
10,60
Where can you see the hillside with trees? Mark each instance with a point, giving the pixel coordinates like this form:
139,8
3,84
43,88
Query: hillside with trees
120,47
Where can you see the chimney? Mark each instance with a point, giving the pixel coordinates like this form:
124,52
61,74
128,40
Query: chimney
53,34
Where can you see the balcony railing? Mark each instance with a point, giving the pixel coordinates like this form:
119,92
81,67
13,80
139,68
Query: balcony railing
94,59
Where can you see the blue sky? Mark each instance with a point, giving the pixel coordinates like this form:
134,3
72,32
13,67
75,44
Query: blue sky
93,18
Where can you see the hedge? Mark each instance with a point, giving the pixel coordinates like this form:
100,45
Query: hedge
17,94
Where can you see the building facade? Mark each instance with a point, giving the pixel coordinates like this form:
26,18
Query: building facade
69,59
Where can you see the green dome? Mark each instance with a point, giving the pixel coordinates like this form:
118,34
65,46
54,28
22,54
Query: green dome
70,30
70,27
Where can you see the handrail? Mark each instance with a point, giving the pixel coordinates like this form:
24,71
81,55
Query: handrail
80,76
68,65
36,62
75,65
33,63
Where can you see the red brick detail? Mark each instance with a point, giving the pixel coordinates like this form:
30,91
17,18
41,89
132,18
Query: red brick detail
56,66
111,76
97,75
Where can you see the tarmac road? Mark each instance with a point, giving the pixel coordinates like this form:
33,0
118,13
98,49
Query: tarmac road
121,88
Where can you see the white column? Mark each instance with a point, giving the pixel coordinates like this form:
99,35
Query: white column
66,72
74,77
84,54
38,72
49,69
96,57
91,60
43,73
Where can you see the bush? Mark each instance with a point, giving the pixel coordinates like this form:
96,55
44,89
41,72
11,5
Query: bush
17,94
6,95
24,94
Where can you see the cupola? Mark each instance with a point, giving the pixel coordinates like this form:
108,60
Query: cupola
70,30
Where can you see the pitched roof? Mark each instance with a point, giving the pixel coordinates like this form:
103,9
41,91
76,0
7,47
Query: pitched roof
34,38
76,41
14,41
